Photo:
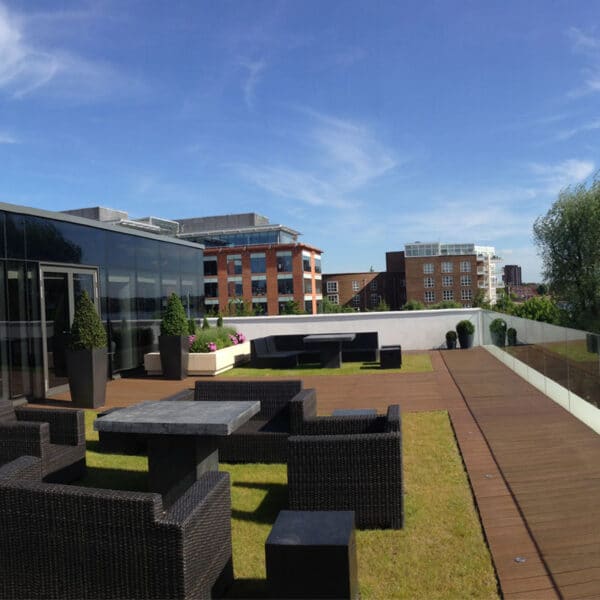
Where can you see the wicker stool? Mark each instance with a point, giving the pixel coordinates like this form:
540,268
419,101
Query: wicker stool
312,554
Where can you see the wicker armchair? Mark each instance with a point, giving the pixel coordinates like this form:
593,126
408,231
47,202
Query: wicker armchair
59,541
349,463
57,437
263,439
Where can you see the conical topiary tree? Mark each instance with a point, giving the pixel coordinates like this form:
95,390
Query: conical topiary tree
87,331
205,323
174,320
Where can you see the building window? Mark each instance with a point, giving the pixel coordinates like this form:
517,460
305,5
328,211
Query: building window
234,265
466,294
446,267
375,298
465,280
317,264
258,263
428,282
447,280
210,267
427,267
308,287
333,298
284,262
355,286
465,266
306,265
259,308
285,285
308,307
373,285
234,289
318,286
332,287
259,287
211,289
429,296
356,300
448,295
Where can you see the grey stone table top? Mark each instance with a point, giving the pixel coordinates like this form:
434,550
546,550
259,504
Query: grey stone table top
312,528
353,412
184,417
329,337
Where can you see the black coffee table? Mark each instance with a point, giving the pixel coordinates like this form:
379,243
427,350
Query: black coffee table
330,347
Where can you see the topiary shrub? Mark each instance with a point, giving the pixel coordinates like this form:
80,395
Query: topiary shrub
511,334
498,332
220,320
465,330
205,323
191,327
451,339
87,331
174,320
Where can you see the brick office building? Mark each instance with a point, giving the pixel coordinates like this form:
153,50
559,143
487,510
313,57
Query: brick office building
360,291
512,275
247,259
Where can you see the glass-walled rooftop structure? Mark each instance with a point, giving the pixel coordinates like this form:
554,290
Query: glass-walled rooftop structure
273,234
48,259
438,249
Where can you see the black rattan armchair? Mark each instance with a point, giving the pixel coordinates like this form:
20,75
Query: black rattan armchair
59,541
263,439
56,436
349,463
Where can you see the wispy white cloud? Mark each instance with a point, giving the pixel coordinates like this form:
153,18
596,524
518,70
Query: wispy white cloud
552,178
254,70
344,157
27,66
588,46
6,138
567,134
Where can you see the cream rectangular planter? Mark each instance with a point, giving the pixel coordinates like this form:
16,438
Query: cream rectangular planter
204,363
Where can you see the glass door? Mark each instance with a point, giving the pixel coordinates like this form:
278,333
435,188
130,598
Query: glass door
61,288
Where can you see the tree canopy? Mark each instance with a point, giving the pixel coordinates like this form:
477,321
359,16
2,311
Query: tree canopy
568,239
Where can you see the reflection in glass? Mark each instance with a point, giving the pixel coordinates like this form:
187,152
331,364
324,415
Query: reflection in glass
58,322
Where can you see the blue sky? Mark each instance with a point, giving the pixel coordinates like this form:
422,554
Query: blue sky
363,125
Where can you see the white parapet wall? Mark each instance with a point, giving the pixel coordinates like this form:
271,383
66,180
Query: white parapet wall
413,330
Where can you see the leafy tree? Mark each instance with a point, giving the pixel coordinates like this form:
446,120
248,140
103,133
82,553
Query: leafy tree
205,323
383,306
504,303
328,307
174,320
480,300
568,239
291,307
542,289
446,304
413,305
87,331
538,308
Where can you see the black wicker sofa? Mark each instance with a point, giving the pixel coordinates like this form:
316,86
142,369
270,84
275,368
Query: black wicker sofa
62,541
287,351
57,437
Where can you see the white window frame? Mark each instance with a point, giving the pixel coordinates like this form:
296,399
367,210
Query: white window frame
465,266
447,267
428,282
465,280
333,298
427,268
429,296
447,280
466,294
332,287
355,285
447,294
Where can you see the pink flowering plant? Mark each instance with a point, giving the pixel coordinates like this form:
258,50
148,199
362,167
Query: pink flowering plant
215,338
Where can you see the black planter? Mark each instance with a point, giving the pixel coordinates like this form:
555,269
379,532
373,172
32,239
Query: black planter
87,377
511,336
450,344
465,339
174,351
498,338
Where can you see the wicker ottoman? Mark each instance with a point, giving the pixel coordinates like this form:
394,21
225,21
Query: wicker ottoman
390,357
312,554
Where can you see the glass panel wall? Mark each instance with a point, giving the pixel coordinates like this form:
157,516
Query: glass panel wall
569,357
136,276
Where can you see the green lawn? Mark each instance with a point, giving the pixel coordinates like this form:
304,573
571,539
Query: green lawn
575,350
440,553
411,363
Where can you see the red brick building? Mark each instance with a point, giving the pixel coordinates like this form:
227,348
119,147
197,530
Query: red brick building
360,291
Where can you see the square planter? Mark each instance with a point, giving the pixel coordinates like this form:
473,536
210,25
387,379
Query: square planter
204,363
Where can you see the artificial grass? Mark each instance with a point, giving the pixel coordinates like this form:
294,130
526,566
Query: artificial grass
411,363
440,553
574,350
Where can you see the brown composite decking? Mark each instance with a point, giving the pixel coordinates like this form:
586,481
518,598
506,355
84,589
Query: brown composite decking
533,468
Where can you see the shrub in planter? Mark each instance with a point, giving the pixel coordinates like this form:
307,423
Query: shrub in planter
220,321
209,340
465,330
511,335
498,332
87,359
173,342
451,339
205,323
